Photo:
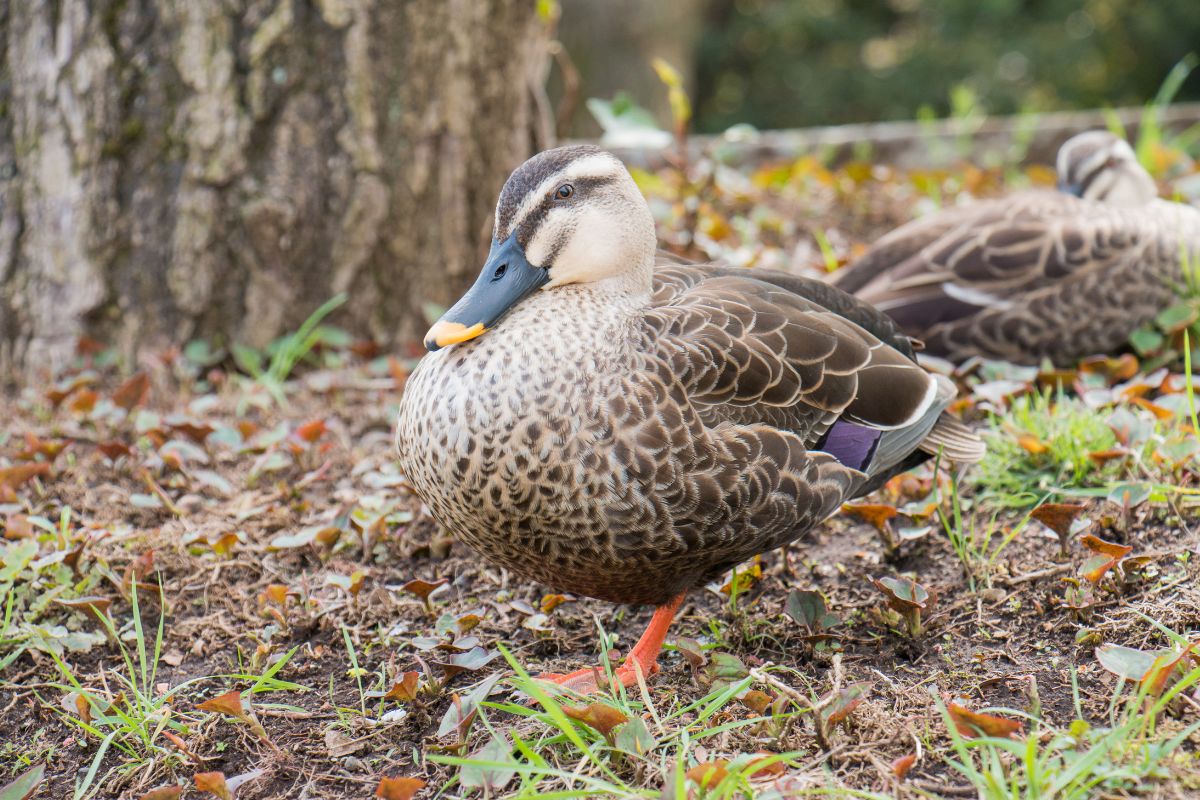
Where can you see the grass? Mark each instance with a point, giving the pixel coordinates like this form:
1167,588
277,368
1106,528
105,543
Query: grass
648,746
1044,445
1080,761
977,544
1152,140
131,715
285,353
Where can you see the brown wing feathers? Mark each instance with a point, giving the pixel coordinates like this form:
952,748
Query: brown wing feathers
736,340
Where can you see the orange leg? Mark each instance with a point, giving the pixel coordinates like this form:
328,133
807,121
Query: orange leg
643,657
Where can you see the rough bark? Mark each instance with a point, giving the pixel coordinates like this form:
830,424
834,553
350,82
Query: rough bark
172,169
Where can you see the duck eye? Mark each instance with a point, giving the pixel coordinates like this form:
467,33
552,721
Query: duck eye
564,191
499,273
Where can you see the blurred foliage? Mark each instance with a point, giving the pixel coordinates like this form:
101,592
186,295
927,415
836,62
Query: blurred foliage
779,64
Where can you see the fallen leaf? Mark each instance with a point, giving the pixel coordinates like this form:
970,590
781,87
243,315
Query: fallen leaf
634,737
837,706
275,593
13,477
1108,555
485,776
112,450
48,449
902,765
1104,456
1058,517
598,716
423,588
84,402
708,774
339,745
462,711
972,724
1152,669
875,514
405,689
18,526
132,393
398,788
229,703
94,607
553,601
172,792
1161,413
212,783
1032,444
311,431
692,653
756,701
743,579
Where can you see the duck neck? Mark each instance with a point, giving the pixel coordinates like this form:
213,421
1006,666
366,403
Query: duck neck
584,320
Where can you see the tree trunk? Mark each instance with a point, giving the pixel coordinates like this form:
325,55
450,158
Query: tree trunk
172,169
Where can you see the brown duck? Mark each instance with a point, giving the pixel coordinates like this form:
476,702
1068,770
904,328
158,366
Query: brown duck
615,431
1039,274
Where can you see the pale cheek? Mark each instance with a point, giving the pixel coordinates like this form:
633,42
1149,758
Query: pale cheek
595,250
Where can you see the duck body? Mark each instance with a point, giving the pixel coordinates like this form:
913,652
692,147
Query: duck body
1039,275
614,430
622,445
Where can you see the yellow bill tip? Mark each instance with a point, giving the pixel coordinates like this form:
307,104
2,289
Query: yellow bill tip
443,334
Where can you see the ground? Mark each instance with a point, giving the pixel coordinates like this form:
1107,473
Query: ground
197,530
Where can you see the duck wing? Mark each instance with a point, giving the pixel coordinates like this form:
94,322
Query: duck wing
736,342
759,411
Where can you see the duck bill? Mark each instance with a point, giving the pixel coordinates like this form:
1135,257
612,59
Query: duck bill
507,279
1070,188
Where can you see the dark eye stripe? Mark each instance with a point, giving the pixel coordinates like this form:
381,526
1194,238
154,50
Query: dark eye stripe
535,217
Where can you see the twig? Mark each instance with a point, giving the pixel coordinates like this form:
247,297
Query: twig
160,493
1036,574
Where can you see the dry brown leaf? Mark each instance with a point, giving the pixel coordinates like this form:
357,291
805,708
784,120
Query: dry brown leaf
13,477
1111,454
756,701
1058,517
398,788
311,431
229,703
274,593
132,393
405,689
552,601
972,724
213,783
84,402
1158,411
903,764
173,792
598,716
113,450
708,774
1032,444
877,515
1109,554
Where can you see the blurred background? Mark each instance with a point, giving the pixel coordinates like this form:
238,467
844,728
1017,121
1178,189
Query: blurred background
781,64
174,172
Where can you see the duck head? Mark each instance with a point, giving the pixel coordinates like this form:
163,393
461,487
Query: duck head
570,215
1101,166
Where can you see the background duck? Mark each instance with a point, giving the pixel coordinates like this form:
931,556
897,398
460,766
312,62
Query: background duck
624,433
1039,274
